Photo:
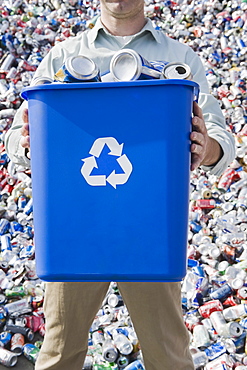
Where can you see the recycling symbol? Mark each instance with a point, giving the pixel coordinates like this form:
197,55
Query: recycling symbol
90,163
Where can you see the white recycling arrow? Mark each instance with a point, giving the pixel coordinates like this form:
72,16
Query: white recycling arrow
114,146
90,163
121,178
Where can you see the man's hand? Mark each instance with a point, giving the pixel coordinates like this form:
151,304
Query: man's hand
204,150
25,140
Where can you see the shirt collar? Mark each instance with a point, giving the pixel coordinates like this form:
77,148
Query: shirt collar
93,33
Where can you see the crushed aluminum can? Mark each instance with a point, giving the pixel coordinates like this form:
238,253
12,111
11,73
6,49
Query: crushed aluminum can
128,65
176,70
78,69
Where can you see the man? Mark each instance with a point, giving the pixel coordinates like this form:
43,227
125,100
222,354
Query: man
155,308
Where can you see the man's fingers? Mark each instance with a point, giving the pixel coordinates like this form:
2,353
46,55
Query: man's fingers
197,137
197,110
25,115
25,130
195,163
25,141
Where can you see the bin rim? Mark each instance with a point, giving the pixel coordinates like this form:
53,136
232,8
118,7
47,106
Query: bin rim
108,84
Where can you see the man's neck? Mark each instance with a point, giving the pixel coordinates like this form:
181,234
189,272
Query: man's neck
123,27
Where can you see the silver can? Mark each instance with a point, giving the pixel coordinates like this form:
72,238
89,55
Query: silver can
78,69
218,321
176,70
109,351
7,62
7,358
17,343
128,65
232,329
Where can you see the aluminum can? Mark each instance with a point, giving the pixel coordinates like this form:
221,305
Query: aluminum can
200,336
17,306
12,73
159,64
235,312
218,321
42,330
31,352
17,291
3,315
208,325
7,62
16,344
78,69
33,322
228,176
109,351
239,342
4,224
199,359
232,329
231,301
222,293
215,350
5,338
192,319
176,70
21,321
243,323
206,203
7,358
23,64
209,307
128,65
5,243
223,362
136,365
98,337
3,300
28,333
122,361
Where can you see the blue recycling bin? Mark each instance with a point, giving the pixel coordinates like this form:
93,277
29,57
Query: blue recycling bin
110,174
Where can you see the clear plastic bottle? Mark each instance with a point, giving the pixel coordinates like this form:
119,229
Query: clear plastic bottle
122,343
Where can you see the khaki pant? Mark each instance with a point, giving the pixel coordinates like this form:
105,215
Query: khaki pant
155,309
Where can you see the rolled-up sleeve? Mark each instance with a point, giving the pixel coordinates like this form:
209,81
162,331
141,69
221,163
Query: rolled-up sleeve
216,127
13,136
12,139
213,117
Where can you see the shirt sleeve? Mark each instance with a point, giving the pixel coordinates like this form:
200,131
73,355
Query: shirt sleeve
213,116
12,139
15,151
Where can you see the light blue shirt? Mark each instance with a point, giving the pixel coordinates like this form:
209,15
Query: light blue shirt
99,45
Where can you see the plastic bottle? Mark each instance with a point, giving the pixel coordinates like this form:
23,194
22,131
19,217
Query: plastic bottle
122,343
